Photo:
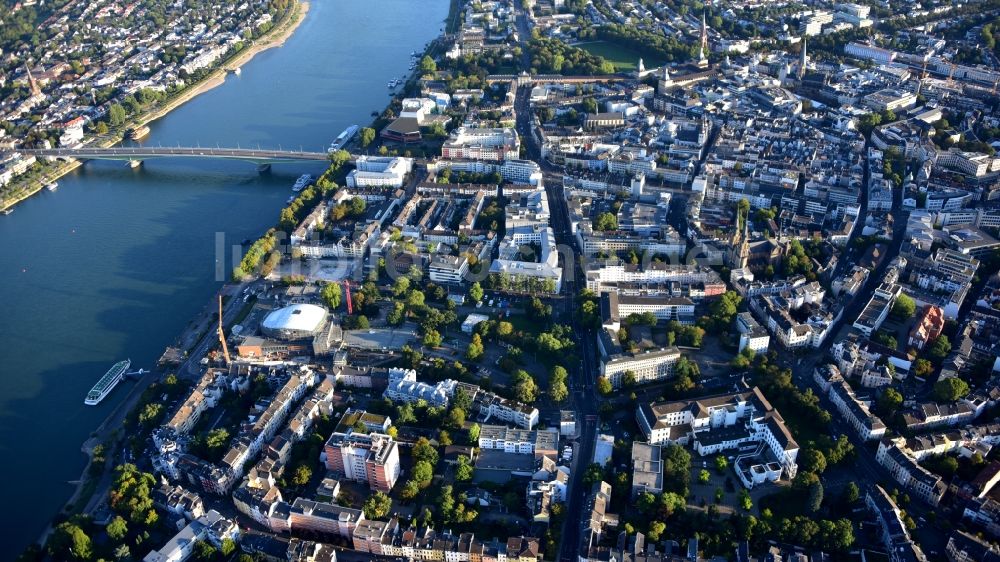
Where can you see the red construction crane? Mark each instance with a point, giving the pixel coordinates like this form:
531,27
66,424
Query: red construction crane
347,296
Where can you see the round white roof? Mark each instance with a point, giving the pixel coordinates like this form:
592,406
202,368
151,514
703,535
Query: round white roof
297,317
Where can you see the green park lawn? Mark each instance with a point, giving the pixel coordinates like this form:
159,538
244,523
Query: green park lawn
623,58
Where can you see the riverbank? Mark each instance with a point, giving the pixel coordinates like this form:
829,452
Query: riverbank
275,37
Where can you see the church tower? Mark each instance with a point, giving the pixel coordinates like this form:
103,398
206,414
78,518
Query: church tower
703,48
32,83
803,59
739,244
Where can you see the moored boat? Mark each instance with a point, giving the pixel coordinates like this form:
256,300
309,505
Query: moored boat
343,138
107,383
302,182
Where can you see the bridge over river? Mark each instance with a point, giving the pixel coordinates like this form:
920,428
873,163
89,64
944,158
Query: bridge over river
262,157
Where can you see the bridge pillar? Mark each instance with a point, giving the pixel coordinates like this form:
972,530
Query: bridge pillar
263,168
134,163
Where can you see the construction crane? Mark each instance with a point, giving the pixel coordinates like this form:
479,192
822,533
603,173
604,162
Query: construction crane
347,296
222,335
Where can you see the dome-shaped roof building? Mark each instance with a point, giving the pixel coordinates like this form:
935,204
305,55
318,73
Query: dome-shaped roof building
297,321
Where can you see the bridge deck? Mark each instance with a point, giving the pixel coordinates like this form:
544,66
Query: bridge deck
259,156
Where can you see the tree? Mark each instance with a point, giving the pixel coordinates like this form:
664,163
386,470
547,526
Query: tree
593,474
116,115
724,308
204,551
367,136
101,128
676,469
474,433
704,476
423,473
558,391
425,452
377,506
939,348
851,493
922,368
456,418
904,307
331,295
130,494
868,122
476,292
525,388
446,503
944,465
475,350
890,401
812,460
69,541
950,389
606,221
539,310
629,378
150,414
227,547
815,498
338,158
396,316
671,502
302,475
656,529
463,469
401,286
415,299
410,490
427,65
432,339
746,502
604,385
117,528
721,463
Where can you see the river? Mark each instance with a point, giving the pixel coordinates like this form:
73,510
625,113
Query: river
117,261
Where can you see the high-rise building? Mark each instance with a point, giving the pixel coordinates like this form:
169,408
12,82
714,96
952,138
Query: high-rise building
360,450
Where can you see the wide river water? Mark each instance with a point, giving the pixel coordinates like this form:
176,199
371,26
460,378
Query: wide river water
115,263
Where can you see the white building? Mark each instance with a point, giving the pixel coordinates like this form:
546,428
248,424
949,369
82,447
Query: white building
647,366
867,425
211,527
379,171
404,387
723,422
752,334
482,144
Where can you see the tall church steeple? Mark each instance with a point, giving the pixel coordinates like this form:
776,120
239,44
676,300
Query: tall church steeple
32,83
803,59
703,48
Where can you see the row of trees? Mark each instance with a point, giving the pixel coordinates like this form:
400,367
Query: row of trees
520,283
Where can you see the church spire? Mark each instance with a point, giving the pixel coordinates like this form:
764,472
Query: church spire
703,47
32,83
803,59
